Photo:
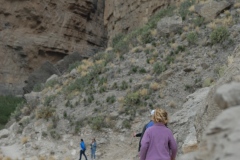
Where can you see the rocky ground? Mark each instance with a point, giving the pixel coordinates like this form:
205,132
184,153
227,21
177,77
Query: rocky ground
109,95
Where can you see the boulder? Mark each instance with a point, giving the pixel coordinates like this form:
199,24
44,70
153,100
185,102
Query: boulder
228,95
169,24
211,9
222,138
32,97
182,122
4,133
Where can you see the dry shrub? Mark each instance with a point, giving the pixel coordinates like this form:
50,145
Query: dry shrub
237,5
120,99
172,104
174,45
6,158
136,49
85,65
154,86
186,28
192,8
143,92
212,25
148,77
227,21
230,60
24,140
151,61
161,94
154,32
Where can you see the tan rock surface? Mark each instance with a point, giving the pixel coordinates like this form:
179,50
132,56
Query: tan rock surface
33,32
122,16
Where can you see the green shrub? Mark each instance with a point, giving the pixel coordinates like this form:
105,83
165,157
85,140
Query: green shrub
180,49
183,10
124,85
8,104
158,68
147,37
81,83
126,124
45,112
115,85
117,39
189,88
97,123
133,69
142,70
219,35
74,65
102,89
111,99
90,99
198,21
192,38
38,87
78,126
55,135
49,99
207,82
102,81
51,83
132,98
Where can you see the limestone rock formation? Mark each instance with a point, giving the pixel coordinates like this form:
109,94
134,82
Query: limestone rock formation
211,9
221,137
182,121
32,32
211,110
122,16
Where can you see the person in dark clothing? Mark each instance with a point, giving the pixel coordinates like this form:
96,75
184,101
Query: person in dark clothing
149,124
82,149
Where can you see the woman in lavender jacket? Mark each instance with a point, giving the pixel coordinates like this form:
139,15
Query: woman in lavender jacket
158,142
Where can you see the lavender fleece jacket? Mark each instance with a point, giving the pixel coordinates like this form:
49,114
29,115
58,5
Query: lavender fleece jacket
158,143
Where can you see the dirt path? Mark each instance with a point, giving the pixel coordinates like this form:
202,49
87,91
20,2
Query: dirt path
13,151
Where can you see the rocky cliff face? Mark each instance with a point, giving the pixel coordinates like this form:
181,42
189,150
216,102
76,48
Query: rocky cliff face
34,32
123,16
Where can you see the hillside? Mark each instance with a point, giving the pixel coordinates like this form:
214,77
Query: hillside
176,61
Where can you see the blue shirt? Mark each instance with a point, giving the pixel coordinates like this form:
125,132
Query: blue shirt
82,146
151,123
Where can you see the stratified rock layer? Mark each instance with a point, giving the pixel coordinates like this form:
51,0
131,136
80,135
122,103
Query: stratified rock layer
33,32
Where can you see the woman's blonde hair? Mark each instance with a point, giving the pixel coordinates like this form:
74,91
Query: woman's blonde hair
160,115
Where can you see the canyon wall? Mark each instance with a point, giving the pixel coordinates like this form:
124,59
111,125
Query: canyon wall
122,16
33,32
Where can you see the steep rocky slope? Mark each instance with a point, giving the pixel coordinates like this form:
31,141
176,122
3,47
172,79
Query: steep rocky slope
178,66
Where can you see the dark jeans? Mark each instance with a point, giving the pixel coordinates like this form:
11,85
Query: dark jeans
82,152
